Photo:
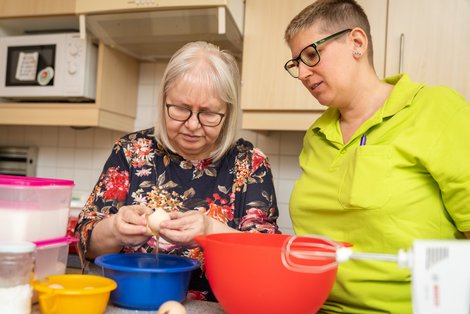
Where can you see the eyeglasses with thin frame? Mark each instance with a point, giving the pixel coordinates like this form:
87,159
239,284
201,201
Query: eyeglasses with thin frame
309,55
183,114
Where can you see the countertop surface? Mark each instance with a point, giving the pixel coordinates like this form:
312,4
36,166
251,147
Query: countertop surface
191,306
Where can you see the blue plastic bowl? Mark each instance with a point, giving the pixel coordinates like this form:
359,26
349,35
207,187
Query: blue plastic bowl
145,282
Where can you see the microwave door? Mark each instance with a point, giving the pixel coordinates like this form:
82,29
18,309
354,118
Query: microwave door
30,66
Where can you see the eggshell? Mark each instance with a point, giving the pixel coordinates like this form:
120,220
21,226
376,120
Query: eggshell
155,219
171,307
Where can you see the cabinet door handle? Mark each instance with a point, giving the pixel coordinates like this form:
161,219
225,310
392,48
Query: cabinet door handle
402,53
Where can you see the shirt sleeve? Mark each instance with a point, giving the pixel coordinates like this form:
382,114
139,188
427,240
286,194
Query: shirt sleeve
449,162
109,193
259,198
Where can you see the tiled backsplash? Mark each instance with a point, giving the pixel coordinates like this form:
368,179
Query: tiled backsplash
79,154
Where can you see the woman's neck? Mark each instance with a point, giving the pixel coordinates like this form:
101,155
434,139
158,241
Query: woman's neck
362,107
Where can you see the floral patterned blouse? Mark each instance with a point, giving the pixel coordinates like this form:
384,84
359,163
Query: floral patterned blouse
236,190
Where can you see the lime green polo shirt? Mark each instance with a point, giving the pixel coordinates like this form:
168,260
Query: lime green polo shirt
411,180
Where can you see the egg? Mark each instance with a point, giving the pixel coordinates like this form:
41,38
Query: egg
171,307
155,219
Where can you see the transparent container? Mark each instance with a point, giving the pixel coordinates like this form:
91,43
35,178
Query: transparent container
34,209
51,257
16,274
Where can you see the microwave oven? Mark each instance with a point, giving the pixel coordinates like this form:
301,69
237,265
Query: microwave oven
56,66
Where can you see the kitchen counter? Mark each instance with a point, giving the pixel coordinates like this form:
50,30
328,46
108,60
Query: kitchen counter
191,306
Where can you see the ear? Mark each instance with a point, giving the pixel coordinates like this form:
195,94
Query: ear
360,41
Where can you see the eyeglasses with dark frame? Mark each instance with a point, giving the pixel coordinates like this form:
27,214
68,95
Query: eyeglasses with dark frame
309,55
183,114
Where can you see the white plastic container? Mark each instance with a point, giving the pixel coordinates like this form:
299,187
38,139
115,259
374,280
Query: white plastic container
34,209
51,256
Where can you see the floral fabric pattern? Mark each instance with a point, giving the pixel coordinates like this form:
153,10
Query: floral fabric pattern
236,190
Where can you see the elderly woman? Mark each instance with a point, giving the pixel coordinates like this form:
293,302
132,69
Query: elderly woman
386,163
190,164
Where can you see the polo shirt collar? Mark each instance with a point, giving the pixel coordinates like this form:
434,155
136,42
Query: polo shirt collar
400,97
402,94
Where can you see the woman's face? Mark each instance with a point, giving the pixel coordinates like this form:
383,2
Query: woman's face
329,80
190,139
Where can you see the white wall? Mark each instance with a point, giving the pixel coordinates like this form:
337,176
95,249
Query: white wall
79,155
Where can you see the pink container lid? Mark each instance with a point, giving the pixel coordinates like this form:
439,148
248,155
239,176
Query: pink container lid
61,240
32,181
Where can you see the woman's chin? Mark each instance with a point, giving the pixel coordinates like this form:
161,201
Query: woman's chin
192,153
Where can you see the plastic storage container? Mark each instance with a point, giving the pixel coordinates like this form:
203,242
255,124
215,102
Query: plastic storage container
34,209
16,266
51,256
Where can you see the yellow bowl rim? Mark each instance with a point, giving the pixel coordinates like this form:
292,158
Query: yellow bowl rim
43,285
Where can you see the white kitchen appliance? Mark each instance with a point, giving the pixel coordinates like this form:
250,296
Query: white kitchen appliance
440,269
55,66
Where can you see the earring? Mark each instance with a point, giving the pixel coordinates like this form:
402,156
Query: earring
357,53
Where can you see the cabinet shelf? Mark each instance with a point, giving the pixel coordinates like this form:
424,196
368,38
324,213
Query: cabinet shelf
282,120
114,108
63,114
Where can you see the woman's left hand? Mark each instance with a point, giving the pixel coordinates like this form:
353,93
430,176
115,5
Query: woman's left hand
183,227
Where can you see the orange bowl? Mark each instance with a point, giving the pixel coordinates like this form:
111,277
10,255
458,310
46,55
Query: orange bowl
246,273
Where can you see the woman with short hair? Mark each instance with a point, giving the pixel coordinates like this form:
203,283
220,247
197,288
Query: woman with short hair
385,164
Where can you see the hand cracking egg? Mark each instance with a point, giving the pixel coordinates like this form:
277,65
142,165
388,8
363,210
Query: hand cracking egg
155,219
171,307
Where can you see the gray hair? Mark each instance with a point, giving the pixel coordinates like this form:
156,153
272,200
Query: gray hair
216,69
333,16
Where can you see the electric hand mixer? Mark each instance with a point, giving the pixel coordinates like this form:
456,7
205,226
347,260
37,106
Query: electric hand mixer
440,269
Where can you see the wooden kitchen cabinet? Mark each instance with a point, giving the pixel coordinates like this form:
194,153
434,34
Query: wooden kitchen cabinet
271,99
29,8
117,74
431,38
114,108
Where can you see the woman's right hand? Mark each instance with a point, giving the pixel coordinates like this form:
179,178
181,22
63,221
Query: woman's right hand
129,225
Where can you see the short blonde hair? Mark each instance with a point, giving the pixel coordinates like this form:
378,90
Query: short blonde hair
333,16
205,64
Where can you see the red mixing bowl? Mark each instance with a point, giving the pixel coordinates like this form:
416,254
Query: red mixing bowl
246,273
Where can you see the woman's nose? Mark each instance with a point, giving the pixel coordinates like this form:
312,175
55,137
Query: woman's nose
304,71
193,121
